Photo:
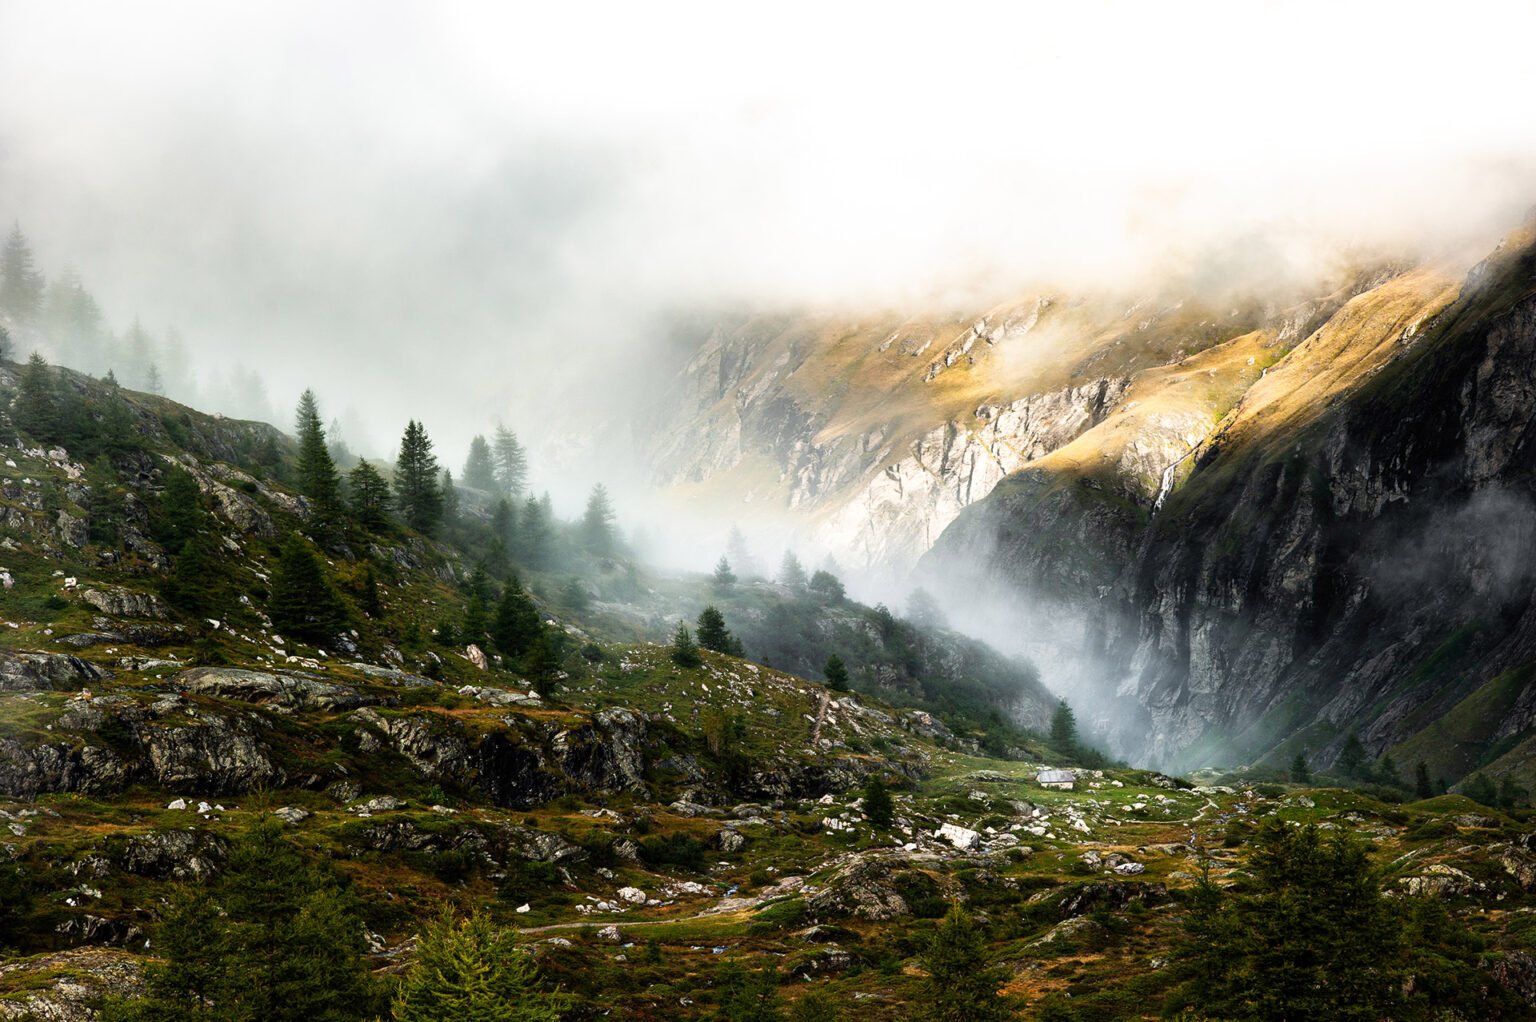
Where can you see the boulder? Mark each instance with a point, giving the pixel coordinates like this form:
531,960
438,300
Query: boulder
863,889
126,603
262,688
46,672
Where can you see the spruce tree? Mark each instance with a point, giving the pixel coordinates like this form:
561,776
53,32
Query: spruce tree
923,610
1352,757
38,410
469,969
371,604
515,626
597,532
815,1006
511,463
546,660
179,515
724,579
574,594
1421,785
1064,728
1300,772
302,603
747,996
790,571
318,479
6,347
534,534
713,635
961,985
878,805
837,673
741,556
685,652
450,500
276,938
416,482
21,285
369,497
480,467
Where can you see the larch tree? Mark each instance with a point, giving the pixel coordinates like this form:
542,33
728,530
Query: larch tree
416,482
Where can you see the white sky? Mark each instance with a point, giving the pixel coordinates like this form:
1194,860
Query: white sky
351,195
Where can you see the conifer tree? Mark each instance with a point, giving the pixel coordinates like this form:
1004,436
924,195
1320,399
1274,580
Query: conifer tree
302,603
276,938
480,467
511,463
791,573
370,497
545,660
1300,772
534,534
713,635
685,652
515,626
21,285
477,617
318,479
724,579
450,492
837,673
574,594
416,482
5,345
923,610
748,996
179,513
961,985
1352,757
827,585
371,604
1064,727
469,969
878,805
38,410
1421,785
815,1006
597,523
741,556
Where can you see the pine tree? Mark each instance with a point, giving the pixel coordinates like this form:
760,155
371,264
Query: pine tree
961,985
480,467
470,969
511,463
790,571
546,660
828,586
1421,785
685,652
21,285
515,626
597,533
1300,772
318,479
302,603
878,805
416,483
837,673
1064,728
370,497
713,635
724,579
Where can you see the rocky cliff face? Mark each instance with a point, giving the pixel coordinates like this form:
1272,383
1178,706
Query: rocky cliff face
1347,549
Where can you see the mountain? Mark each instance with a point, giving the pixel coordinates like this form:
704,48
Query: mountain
1231,528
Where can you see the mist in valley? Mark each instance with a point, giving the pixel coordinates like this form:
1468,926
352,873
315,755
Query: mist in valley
523,215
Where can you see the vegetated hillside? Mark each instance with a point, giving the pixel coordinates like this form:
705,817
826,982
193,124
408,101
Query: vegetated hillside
669,838
1346,550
